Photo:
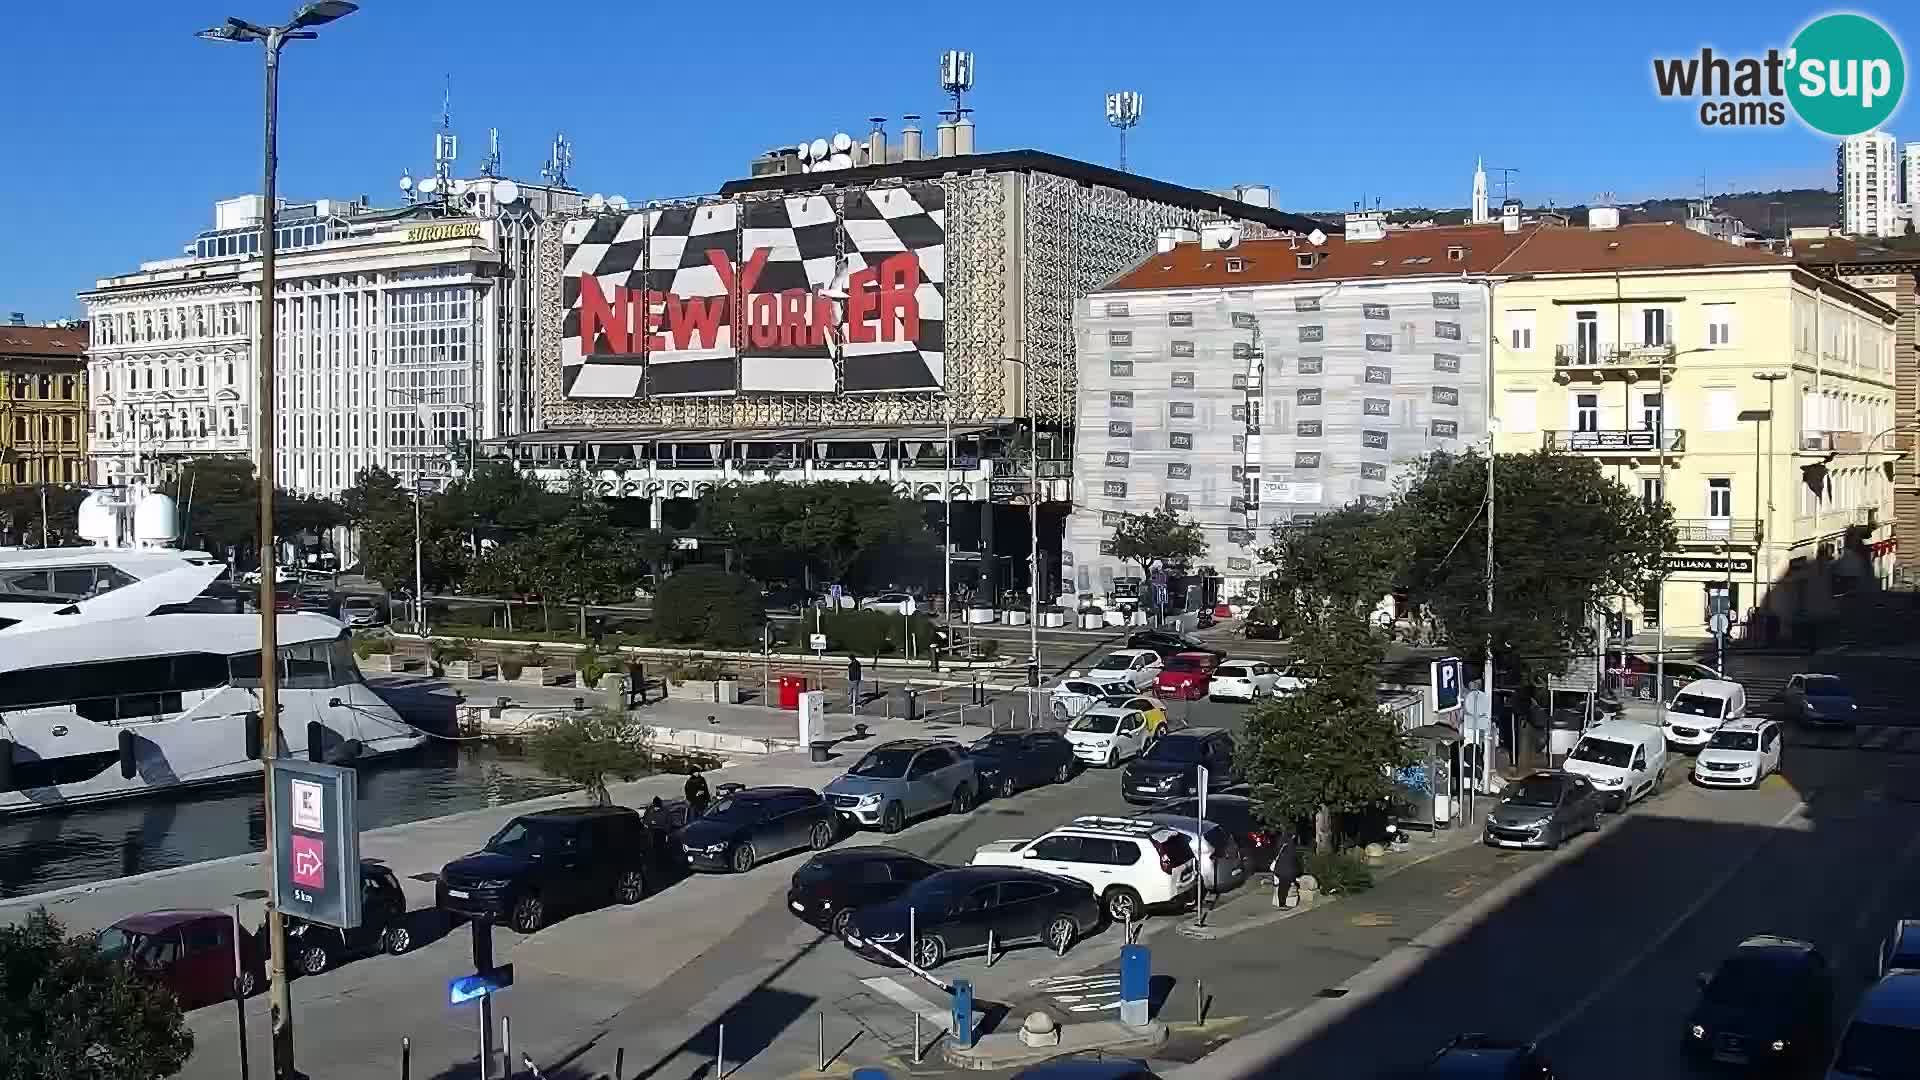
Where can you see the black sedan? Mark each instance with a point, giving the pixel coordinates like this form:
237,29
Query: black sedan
1544,810
1477,1057
833,884
955,911
1767,1007
1011,760
1169,643
383,926
746,826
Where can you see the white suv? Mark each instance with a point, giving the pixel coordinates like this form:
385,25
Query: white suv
1131,864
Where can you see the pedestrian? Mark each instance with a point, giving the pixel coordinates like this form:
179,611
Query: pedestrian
853,682
697,796
1286,870
656,813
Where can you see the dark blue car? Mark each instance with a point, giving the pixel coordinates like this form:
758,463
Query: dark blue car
1009,761
745,827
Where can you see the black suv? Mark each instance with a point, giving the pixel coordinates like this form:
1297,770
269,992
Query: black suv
1169,642
570,858
1170,767
383,925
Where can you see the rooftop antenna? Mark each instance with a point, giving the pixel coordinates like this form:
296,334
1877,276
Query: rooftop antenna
956,78
1506,180
490,165
446,146
559,161
1123,112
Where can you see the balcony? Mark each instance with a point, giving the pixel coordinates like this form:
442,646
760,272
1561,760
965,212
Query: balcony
1639,442
1830,442
1716,531
1629,361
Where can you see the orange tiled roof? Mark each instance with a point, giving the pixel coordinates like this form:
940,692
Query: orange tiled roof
1268,262
42,341
1648,246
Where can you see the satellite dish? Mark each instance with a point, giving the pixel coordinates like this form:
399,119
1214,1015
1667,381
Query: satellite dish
842,142
806,151
459,187
596,202
1316,238
406,183
617,202
841,161
429,185
818,149
506,191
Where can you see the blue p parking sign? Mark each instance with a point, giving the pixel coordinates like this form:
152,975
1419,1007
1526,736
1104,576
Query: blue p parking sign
1443,688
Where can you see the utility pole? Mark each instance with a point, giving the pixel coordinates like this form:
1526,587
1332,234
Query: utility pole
274,38
419,574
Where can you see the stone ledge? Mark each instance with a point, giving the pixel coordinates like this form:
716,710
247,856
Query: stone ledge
1005,1050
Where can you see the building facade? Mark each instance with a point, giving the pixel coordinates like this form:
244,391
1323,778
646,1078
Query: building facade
1260,383
43,405
401,337
1732,384
1868,180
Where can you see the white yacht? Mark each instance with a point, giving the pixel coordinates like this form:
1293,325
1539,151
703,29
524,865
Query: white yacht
120,688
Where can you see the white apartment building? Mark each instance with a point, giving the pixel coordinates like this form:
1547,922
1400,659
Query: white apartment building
1868,179
401,335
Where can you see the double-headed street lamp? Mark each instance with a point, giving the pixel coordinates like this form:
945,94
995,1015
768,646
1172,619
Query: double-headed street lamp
298,28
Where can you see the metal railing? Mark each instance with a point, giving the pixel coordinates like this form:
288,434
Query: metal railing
1614,356
1616,441
1716,531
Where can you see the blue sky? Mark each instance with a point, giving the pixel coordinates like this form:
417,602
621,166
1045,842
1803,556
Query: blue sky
121,129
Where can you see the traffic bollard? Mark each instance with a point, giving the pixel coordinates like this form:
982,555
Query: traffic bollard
506,1044
916,1038
822,1016
1199,1002
720,1054
990,944
620,1063
406,1058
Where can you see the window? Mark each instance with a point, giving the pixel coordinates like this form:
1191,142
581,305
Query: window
66,429
1304,260
1058,849
1586,412
1520,330
1586,337
1653,491
1719,319
1653,326
1456,253
1235,264
1653,412
66,388
1720,497
1722,413
46,387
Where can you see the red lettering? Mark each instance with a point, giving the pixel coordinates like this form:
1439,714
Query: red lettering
765,321
749,274
899,278
793,317
651,303
822,318
598,313
861,304
695,320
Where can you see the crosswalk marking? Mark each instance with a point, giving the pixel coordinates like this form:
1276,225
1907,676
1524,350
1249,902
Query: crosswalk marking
1094,991
892,990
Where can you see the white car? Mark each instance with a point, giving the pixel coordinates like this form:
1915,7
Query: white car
1136,667
1243,680
1131,864
1107,736
1740,754
894,603
1071,697
1700,708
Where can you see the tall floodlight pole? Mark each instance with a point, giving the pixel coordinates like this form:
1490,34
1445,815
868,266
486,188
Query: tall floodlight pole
1123,112
274,38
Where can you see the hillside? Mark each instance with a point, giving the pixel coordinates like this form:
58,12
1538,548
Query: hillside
1766,212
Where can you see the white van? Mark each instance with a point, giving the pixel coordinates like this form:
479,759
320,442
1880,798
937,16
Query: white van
1698,710
1625,759
1883,1037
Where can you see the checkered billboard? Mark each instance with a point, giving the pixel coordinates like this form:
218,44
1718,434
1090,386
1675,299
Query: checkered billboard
839,293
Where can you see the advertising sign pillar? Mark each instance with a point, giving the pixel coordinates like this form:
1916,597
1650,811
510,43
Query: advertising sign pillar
963,1012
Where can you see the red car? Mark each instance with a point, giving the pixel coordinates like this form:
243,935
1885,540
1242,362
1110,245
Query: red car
1186,675
188,952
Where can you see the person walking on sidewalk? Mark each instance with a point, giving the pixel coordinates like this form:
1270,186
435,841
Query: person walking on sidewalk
697,796
1286,870
853,683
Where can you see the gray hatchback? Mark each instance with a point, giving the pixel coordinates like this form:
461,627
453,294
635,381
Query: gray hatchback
901,780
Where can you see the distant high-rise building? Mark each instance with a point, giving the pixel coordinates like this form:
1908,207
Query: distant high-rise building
1910,182
1480,215
1868,180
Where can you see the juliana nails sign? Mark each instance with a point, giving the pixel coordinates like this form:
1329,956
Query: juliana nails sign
1841,75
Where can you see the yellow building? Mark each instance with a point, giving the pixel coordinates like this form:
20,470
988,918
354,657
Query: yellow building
1755,397
43,405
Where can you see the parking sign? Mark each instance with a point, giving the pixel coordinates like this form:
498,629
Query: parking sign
1443,688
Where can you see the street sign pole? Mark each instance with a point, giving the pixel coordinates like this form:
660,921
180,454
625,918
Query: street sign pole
1199,842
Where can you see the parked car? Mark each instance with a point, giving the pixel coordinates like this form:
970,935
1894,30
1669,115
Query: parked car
1185,675
1146,705
189,952
832,885
1260,625
1901,950
1480,1057
1243,680
566,858
1168,642
1171,765
1011,760
1135,667
1819,699
359,609
954,911
1882,1039
1544,810
1625,759
791,599
383,926
1698,710
1223,865
893,603
1234,813
1766,1007
901,780
746,827
325,601
1133,865
1740,754
1106,736
1071,697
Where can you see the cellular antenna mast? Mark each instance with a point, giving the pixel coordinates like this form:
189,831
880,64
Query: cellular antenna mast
559,161
1506,180
956,78
490,165
1123,112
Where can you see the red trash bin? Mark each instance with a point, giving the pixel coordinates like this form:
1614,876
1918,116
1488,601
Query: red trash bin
791,687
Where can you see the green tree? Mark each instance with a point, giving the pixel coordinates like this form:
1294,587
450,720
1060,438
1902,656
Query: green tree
497,501
25,523
219,501
707,604
1157,534
838,523
583,558
387,548
1569,539
588,747
71,1012
375,491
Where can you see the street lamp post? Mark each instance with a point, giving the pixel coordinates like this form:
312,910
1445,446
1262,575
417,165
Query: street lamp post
274,38
1763,547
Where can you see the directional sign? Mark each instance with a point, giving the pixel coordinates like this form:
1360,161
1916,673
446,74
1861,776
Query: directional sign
1444,684
471,987
817,642
907,606
317,876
